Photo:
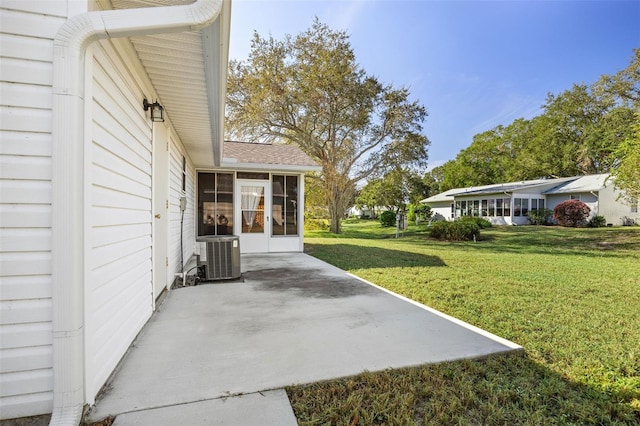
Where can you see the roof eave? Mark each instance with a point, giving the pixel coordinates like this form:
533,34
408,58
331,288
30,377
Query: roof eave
299,168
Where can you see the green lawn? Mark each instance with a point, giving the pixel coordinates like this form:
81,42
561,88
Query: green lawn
570,297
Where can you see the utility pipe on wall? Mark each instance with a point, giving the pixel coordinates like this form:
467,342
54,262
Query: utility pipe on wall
68,209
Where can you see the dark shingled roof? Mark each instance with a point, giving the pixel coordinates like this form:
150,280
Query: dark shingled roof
262,153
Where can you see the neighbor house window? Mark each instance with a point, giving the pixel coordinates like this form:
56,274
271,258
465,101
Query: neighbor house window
499,207
476,207
458,209
215,203
463,208
284,205
506,206
525,207
484,209
634,205
492,207
575,197
537,204
517,206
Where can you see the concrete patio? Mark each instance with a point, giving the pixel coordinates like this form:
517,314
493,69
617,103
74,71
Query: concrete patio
221,353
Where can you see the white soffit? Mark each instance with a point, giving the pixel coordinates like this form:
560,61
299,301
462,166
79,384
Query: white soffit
175,65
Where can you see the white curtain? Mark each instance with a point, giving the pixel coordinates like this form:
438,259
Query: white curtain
250,200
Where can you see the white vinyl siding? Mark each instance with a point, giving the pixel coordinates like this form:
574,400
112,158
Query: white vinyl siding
118,195
118,288
175,192
26,34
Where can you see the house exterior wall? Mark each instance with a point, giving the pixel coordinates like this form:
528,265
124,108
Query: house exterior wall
118,284
27,30
589,199
118,195
614,210
441,210
176,219
119,295
507,220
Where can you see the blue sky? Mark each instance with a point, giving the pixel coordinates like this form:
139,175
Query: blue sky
472,64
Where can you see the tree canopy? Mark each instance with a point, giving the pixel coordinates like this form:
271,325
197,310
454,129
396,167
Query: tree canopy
395,190
309,90
587,129
626,174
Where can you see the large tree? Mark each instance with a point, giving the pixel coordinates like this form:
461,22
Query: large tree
395,190
309,90
626,172
624,86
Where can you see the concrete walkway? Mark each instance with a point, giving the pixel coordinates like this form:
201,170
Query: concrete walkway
221,353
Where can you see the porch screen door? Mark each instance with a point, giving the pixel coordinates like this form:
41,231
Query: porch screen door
254,215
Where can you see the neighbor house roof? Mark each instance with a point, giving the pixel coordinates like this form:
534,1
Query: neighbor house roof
566,185
590,183
441,197
513,186
483,189
265,156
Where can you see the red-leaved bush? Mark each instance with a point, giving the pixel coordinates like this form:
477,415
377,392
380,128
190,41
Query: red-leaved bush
571,213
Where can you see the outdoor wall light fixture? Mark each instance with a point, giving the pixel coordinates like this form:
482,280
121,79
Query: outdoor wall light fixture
157,110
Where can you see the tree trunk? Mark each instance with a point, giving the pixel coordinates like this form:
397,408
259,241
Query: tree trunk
335,221
339,193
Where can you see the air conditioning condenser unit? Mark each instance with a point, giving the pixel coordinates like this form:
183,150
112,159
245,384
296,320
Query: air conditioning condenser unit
219,256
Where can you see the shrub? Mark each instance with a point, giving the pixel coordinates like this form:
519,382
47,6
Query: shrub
423,211
455,231
388,218
572,213
597,222
411,216
316,224
540,216
481,222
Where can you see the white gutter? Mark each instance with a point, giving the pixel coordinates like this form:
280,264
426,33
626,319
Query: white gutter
68,210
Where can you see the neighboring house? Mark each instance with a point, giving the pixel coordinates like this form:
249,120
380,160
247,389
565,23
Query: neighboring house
359,212
442,205
365,212
93,192
510,203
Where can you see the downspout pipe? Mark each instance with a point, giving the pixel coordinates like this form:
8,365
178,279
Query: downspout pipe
68,209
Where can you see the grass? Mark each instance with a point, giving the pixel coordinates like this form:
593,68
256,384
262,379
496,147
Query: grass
570,297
